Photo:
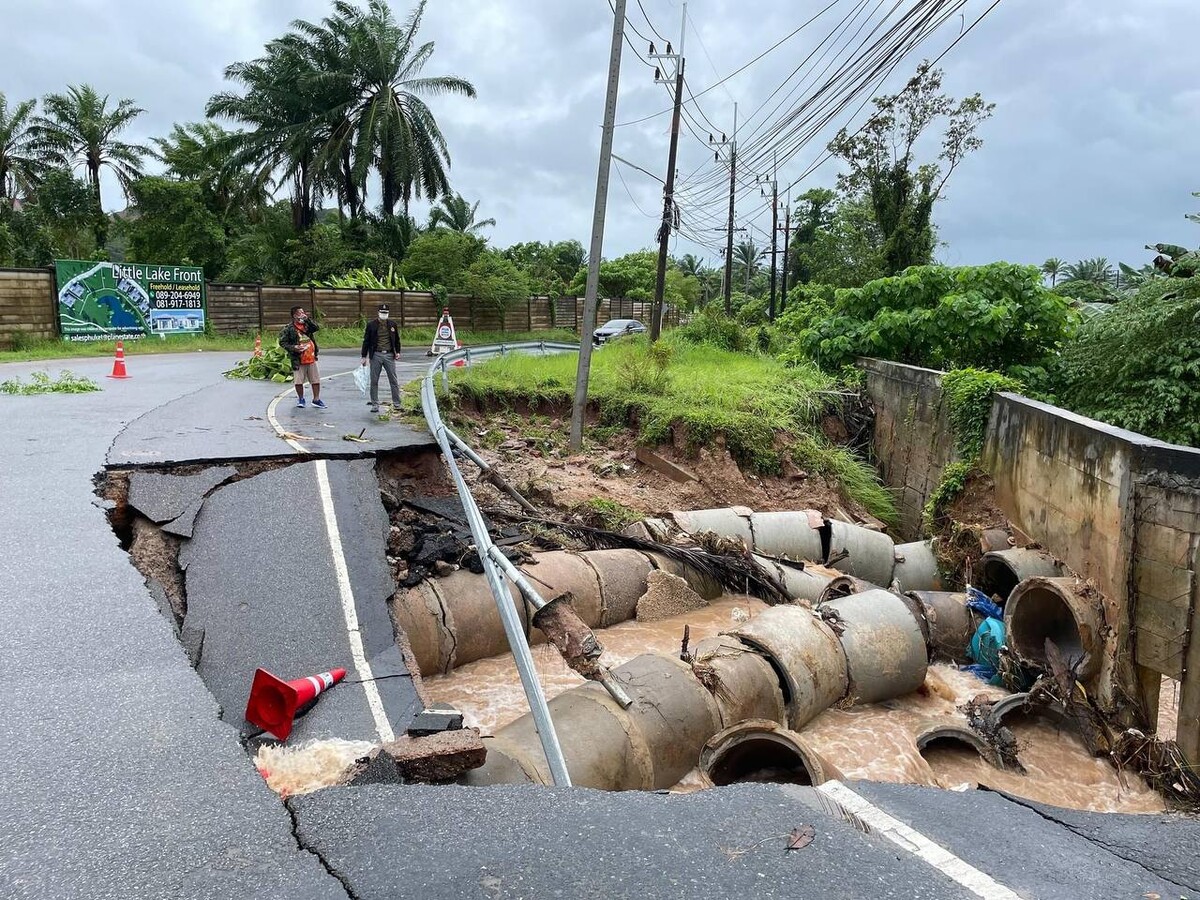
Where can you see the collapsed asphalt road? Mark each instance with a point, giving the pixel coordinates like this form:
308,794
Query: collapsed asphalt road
122,778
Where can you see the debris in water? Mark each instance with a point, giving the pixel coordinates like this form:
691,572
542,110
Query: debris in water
667,595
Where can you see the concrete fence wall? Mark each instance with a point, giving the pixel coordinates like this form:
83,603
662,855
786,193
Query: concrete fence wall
1121,509
28,307
913,442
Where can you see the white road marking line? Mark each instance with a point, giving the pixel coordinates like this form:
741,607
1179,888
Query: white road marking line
349,611
979,883
279,430
274,422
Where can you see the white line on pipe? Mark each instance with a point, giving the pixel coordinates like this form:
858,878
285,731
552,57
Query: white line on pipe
349,611
979,883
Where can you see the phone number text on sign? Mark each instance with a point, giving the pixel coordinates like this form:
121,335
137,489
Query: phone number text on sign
176,296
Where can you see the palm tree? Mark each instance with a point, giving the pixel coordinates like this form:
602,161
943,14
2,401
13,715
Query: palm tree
1094,271
690,264
285,131
199,151
455,214
21,164
1053,268
79,130
748,255
382,120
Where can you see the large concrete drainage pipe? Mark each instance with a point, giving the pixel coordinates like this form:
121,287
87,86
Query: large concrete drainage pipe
741,680
949,623
1060,610
807,658
886,653
917,567
933,737
1002,570
649,746
867,554
728,522
804,584
760,750
844,586
796,535
452,621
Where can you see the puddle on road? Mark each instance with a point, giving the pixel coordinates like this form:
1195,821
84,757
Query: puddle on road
875,741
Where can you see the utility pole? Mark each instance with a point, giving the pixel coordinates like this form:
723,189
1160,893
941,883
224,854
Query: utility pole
579,405
732,194
774,235
787,236
669,212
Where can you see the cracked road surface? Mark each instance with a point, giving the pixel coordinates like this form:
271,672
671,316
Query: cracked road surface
121,779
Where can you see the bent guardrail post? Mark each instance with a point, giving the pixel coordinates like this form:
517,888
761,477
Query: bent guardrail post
513,628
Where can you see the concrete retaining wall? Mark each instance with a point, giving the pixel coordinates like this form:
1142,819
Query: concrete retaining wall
913,440
1119,508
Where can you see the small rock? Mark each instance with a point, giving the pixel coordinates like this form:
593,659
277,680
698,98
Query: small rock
441,568
390,503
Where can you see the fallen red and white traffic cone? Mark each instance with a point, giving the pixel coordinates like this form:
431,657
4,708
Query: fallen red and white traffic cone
119,362
273,702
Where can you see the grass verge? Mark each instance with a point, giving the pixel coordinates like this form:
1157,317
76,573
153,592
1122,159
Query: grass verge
762,407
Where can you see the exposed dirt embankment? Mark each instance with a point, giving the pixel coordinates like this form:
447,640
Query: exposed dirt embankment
607,483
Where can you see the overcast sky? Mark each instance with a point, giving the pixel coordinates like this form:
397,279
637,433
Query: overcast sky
1092,150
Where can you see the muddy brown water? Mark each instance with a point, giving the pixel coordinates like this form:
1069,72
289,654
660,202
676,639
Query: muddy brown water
874,741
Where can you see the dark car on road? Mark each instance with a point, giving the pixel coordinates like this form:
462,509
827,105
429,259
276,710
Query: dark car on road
615,328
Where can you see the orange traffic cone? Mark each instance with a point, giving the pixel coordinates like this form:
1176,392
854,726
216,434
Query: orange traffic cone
258,346
119,363
274,702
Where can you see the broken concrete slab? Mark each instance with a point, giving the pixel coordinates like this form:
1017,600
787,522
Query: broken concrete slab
270,595
186,522
431,721
667,595
664,466
423,760
161,497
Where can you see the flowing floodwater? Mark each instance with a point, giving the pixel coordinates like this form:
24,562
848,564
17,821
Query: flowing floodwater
873,741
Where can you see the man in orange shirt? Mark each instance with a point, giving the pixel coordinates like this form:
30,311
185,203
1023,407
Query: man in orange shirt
297,339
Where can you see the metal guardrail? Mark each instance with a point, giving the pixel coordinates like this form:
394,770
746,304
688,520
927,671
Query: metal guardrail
495,564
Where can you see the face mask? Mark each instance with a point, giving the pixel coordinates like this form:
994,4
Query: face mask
383,317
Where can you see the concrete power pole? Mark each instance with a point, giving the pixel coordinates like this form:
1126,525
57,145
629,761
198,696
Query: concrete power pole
729,239
774,239
596,248
668,217
787,236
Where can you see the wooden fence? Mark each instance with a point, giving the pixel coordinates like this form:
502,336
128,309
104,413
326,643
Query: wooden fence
28,306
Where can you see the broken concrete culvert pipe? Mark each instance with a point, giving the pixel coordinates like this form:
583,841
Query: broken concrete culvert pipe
761,750
1065,612
679,707
807,535
1002,570
452,621
949,623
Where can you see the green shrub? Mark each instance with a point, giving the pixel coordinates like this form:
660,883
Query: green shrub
711,326
1138,366
995,316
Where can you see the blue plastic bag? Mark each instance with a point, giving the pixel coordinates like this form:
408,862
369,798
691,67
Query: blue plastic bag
363,379
985,648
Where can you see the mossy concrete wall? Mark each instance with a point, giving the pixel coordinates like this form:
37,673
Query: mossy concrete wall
913,441
1119,508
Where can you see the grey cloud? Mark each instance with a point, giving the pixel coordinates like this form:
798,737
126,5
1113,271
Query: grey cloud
1091,151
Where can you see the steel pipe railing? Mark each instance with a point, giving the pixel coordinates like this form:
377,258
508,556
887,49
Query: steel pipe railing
489,554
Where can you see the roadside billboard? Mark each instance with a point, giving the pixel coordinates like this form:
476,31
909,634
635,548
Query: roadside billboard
104,301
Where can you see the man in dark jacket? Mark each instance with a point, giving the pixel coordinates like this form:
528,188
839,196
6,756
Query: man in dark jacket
297,339
381,347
